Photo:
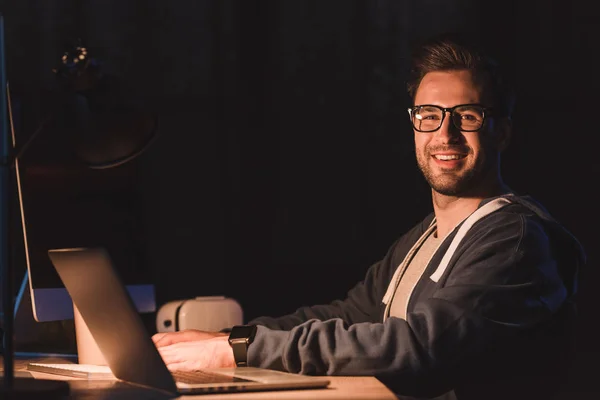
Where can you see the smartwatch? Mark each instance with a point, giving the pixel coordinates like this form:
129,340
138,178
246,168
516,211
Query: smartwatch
240,338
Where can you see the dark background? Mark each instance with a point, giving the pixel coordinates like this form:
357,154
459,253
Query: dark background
285,163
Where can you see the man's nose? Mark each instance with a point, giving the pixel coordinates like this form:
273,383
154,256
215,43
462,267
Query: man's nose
448,132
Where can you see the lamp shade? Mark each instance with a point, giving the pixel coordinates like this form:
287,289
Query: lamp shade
94,110
103,137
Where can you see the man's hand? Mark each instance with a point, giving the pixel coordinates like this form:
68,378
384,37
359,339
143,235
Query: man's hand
192,349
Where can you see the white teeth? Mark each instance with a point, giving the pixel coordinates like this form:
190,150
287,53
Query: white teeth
448,157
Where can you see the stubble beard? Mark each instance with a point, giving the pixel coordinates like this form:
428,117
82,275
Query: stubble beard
451,182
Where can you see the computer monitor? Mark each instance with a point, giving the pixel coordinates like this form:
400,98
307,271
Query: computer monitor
63,203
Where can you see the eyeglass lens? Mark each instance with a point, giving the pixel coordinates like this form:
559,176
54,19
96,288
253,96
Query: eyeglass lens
430,118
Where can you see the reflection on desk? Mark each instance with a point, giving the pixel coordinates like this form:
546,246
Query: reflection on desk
341,388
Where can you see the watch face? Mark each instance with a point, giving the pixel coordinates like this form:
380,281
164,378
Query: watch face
242,331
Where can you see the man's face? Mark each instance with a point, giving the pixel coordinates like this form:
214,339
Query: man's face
453,162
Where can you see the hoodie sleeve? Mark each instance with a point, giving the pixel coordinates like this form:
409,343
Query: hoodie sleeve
502,282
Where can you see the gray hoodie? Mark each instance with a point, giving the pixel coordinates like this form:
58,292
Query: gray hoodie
490,317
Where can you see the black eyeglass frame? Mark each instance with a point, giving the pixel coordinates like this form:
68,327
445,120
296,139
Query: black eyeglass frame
484,112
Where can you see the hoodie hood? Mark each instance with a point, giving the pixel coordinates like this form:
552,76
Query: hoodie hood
568,250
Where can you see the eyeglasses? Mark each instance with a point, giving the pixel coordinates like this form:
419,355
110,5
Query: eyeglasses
465,117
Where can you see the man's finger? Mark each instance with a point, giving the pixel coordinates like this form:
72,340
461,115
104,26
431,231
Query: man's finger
171,354
165,339
180,366
157,337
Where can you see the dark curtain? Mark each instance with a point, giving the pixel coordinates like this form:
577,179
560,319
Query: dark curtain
284,165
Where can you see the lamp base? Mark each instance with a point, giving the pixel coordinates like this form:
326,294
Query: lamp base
31,388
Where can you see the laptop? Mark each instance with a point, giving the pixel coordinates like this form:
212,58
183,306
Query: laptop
109,313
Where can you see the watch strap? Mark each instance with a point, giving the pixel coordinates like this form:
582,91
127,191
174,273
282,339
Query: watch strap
240,353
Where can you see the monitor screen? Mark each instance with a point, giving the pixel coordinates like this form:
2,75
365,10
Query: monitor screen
62,204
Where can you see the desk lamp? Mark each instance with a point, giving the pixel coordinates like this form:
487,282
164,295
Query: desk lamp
101,133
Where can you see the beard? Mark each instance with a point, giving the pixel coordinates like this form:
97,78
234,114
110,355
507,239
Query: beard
450,182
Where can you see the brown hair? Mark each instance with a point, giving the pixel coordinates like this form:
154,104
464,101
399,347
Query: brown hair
451,52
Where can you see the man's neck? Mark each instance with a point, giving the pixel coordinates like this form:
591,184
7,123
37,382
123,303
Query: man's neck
451,210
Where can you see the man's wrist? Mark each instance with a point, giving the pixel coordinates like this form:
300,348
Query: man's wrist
225,354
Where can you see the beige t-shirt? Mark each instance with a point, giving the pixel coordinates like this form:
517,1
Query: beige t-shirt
412,274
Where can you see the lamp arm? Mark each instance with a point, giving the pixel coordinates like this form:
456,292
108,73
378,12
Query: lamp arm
19,151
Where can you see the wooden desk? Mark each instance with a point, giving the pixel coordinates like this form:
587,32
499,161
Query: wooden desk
341,388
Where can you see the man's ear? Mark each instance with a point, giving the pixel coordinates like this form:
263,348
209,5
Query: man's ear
504,133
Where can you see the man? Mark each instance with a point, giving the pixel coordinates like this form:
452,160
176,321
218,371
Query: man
472,303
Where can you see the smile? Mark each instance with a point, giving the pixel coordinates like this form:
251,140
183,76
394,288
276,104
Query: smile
449,157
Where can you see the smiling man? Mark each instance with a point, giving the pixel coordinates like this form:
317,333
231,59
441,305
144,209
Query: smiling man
475,302
459,155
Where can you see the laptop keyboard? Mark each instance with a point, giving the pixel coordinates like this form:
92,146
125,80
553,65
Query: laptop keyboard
191,378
